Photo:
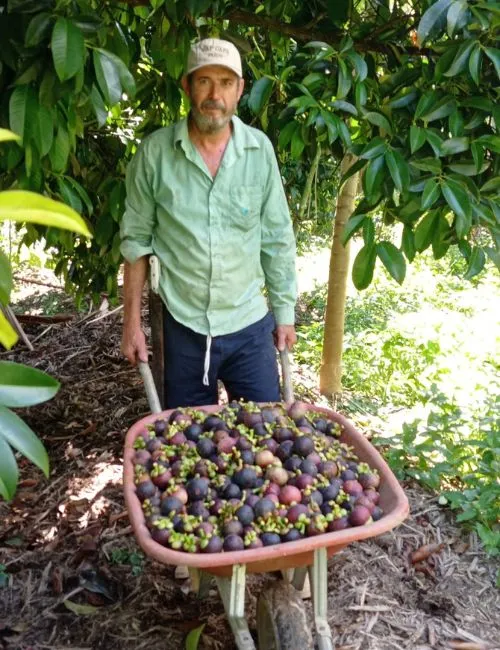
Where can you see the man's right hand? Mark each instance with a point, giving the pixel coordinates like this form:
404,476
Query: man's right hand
134,345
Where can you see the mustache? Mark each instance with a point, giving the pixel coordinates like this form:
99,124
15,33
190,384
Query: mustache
211,104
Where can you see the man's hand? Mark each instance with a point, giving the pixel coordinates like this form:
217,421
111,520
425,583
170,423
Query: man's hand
284,336
134,345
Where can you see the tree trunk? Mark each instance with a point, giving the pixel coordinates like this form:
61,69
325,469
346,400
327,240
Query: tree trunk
331,362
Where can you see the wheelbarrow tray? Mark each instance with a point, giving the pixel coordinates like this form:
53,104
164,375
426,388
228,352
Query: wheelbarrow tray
281,556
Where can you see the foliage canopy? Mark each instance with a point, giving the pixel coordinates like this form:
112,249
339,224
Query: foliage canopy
411,88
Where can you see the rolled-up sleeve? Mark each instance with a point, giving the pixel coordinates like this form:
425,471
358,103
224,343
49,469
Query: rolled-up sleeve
138,221
278,245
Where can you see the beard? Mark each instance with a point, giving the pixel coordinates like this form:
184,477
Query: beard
212,123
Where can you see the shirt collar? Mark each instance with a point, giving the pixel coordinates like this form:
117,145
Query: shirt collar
242,137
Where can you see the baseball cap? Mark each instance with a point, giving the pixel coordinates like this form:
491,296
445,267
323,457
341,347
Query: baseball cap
213,51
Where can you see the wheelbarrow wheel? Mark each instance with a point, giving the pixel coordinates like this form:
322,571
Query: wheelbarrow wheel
281,619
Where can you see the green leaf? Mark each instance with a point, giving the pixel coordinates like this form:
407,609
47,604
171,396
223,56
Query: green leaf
441,237
456,13
9,473
430,194
475,63
477,261
22,206
354,223
459,202
494,256
298,144
454,145
417,138
345,106
491,142
22,109
125,76
193,638
286,134
431,19
398,168
393,260
361,94
368,232
98,105
359,65
443,108
82,194
379,120
491,185
468,168
332,124
60,150
424,231
434,140
68,195
493,55
353,169
6,135
108,77
43,130
405,98
477,154
374,148
425,103
38,29
344,80
260,94
80,609
302,103
312,80
18,434
68,49
5,279
461,58
363,267
8,335
374,176
408,243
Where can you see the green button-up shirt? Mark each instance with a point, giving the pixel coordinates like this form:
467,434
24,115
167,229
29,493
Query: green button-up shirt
219,240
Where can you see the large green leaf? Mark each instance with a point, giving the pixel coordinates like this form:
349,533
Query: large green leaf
125,76
344,80
417,138
408,243
430,194
354,223
379,120
431,18
374,176
9,473
100,110
359,65
22,206
475,63
374,148
260,94
24,386
18,434
398,168
8,335
22,110
43,130
363,267
6,135
68,49
60,149
477,261
424,231
393,260
298,144
460,203
456,13
193,638
454,145
461,58
5,279
286,134
38,29
443,108
493,54
108,77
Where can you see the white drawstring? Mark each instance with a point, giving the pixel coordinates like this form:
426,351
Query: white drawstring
207,361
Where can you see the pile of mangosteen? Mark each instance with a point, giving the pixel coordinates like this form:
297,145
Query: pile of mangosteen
249,476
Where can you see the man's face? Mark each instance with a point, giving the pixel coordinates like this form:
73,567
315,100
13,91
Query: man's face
214,92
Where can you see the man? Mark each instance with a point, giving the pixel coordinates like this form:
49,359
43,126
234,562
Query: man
205,197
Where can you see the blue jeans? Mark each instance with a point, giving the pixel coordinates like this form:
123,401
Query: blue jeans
245,362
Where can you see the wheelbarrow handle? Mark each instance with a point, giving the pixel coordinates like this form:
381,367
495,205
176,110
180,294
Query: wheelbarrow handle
149,385
286,376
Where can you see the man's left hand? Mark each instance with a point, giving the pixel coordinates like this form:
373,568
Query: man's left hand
285,336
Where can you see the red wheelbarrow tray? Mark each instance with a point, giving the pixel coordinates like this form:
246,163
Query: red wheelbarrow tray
289,555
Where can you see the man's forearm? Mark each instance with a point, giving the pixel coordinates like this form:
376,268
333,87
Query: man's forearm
135,275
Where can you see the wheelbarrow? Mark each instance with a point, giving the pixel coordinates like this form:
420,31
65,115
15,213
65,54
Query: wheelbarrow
281,615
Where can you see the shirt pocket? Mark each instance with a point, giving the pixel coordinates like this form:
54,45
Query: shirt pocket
244,207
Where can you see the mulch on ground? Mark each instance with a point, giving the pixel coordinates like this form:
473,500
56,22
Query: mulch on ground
74,577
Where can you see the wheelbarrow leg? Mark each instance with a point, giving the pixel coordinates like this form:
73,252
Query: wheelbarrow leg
318,575
201,582
232,591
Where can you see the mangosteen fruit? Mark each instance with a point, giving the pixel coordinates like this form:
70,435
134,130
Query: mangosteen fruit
233,543
303,446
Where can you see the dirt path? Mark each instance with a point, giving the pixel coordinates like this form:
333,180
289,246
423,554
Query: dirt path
73,576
